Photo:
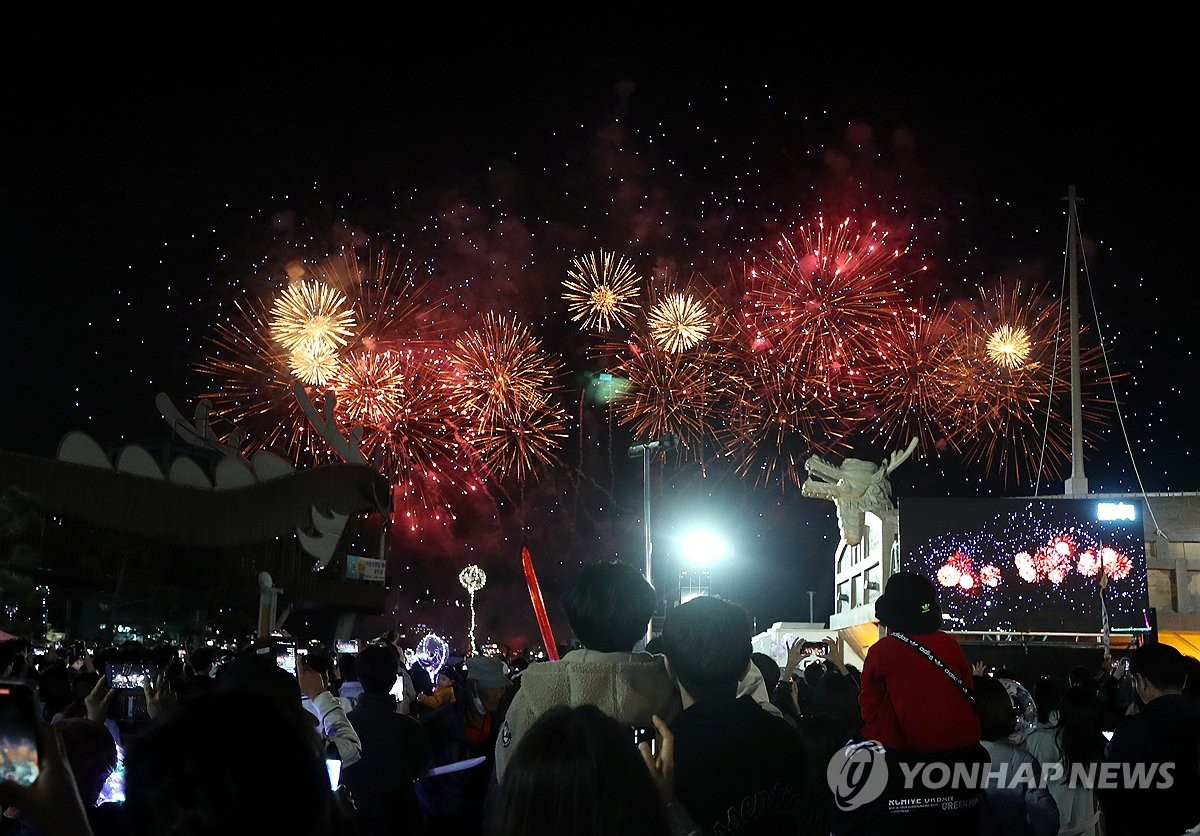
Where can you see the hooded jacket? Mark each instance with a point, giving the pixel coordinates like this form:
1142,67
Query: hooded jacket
629,687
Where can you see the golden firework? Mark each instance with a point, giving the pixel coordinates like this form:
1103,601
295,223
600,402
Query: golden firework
311,316
314,364
1009,347
601,289
369,387
679,321
500,371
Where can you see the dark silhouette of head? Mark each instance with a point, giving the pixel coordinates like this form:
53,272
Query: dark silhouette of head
997,717
1047,696
577,771
1079,676
707,644
1080,726
1160,665
769,669
377,666
228,762
609,606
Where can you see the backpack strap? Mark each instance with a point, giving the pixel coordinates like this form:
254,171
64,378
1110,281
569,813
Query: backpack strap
928,654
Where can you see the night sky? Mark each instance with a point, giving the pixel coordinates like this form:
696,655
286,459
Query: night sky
150,188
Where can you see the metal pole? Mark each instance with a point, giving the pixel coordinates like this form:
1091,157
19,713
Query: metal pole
646,511
1077,485
811,619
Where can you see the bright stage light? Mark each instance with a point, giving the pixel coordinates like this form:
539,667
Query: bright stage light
702,548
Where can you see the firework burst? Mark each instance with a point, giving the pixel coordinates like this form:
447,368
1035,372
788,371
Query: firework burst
1014,417
370,387
315,364
679,321
780,419
502,385
312,318
911,382
1009,347
828,297
601,290
687,395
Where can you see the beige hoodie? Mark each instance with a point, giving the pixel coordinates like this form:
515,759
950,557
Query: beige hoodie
630,687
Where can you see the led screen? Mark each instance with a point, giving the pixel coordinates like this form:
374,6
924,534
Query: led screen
1029,565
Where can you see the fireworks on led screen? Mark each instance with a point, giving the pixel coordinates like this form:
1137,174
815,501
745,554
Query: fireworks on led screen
679,321
601,290
312,318
1022,565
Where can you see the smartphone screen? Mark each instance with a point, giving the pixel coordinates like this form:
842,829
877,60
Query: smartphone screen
1107,735
18,734
285,657
347,646
334,767
125,679
128,676
645,734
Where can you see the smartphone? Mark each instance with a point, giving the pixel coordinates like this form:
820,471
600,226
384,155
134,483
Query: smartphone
398,689
18,731
39,651
1107,735
285,656
125,679
815,649
349,646
645,734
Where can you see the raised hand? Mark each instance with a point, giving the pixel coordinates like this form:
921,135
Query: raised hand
98,701
159,695
662,766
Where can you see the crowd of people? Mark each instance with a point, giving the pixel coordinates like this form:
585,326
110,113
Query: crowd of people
695,734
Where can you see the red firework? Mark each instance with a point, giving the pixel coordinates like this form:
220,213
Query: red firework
827,298
912,381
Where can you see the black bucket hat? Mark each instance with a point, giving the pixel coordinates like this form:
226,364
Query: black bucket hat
909,604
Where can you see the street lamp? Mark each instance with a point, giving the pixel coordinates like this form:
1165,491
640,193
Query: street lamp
667,442
700,549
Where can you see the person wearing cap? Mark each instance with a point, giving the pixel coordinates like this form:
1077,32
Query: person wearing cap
917,701
459,732
907,702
